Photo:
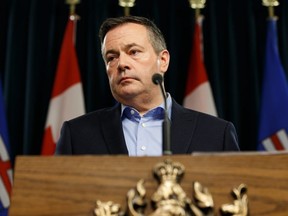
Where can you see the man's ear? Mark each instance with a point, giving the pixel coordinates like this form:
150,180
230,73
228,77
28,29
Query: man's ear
164,59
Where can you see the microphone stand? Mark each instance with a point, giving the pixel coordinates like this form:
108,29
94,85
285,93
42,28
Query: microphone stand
166,125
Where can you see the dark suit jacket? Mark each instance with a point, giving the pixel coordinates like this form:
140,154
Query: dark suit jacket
100,132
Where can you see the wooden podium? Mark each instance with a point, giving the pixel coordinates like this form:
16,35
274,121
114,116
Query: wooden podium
70,185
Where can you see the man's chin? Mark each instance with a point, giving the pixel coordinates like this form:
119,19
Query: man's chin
125,94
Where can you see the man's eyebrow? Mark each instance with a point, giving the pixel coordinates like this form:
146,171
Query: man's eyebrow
111,51
126,47
132,45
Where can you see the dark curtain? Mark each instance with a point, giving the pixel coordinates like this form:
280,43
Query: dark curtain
31,33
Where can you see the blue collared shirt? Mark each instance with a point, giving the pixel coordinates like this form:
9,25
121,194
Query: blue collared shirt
143,134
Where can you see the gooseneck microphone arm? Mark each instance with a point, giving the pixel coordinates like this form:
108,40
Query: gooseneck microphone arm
166,125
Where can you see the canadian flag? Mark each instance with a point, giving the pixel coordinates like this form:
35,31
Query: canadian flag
67,99
198,94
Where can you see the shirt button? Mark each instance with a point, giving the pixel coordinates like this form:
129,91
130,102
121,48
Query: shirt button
143,148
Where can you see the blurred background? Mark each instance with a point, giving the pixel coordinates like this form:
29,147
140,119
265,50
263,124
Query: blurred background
234,35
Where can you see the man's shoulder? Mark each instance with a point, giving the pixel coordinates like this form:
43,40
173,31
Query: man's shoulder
189,113
105,113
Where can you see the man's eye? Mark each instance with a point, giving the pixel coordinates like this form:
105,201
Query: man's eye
110,58
134,52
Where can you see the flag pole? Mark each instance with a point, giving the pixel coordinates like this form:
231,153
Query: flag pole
127,4
73,16
197,5
270,4
72,4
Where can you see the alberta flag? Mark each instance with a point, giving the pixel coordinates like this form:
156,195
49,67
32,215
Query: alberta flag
273,128
5,165
67,99
198,94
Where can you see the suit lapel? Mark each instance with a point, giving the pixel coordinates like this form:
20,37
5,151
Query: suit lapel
183,125
112,130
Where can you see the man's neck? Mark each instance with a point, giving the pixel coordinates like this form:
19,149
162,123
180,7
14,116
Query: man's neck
143,105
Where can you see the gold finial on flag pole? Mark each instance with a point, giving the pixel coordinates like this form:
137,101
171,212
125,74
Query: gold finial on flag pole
270,4
127,4
73,16
197,5
73,3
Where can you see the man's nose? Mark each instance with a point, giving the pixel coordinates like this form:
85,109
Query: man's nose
123,62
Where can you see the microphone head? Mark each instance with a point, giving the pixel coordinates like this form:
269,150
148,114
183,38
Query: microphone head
157,78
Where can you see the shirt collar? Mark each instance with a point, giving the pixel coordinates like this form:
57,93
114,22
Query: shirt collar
155,112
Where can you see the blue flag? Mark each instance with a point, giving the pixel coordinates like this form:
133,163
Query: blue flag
5,165
273,128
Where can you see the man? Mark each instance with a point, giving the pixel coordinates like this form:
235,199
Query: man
134,49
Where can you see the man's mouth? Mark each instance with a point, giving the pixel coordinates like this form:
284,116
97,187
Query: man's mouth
125,79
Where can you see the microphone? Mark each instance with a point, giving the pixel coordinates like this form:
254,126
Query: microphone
157,79
166,125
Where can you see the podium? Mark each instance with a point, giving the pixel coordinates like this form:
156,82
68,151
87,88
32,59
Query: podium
71,185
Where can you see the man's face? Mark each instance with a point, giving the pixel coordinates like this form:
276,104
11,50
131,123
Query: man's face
130,62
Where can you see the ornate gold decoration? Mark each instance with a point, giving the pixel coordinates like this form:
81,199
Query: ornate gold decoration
127,4
107,208
171,200
136,199
240,205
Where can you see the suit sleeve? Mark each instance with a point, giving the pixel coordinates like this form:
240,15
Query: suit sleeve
231,138
64,145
